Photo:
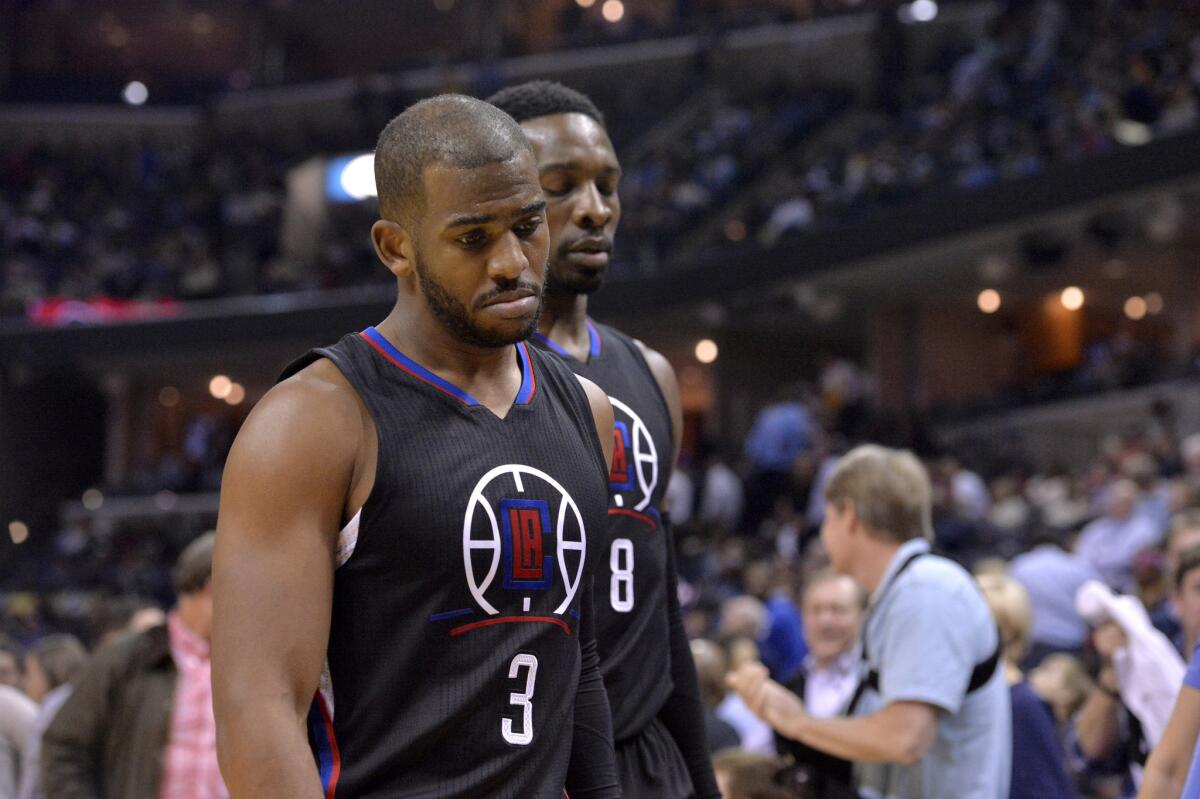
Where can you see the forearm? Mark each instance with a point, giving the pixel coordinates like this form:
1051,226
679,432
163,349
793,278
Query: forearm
264,754
1098,726
592,771
683,712
863,739
1162,783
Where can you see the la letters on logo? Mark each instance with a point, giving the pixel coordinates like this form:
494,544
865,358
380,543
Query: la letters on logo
526,525
620,478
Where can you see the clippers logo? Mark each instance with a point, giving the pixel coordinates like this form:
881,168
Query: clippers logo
526,523
635,459
621,476
523,521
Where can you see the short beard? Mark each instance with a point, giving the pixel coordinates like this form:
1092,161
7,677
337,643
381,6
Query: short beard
455,317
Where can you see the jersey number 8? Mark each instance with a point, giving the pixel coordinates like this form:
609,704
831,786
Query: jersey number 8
620,562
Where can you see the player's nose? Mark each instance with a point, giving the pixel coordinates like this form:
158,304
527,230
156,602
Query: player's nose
507,260
593,211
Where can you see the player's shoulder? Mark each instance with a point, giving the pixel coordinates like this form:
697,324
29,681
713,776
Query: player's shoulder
659,365
596,396
318,386
314,409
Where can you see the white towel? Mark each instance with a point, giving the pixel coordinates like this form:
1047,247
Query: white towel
1149,670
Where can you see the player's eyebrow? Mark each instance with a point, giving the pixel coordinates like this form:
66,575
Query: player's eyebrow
467,220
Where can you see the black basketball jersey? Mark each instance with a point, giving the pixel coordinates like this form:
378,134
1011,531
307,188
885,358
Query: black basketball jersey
630,597
454,653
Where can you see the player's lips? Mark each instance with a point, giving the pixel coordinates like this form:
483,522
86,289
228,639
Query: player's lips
593,251
513,304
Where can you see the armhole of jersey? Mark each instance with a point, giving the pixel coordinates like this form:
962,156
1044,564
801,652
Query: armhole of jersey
658,390
347,540
585,404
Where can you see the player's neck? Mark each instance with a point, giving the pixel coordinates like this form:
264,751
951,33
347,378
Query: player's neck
564,321
483,372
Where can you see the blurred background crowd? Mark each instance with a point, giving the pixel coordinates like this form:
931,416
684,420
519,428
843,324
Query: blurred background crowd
964,228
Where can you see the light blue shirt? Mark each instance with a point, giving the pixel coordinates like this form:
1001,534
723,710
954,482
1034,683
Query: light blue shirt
927,629
1051,576
1191,788
1110,546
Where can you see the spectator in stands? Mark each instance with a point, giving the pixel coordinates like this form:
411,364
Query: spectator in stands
935,721
1182,535
1110,543
17,713
782,432
1051,576
756,735
745,775
781,646
1039,766
1189,451
11,654
711,668
832,605
680,499
1173,768
1105,741
140,720
720,496
49,668
1063,682
1186,599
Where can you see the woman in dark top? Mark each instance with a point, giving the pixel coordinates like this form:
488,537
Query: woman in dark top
1039,768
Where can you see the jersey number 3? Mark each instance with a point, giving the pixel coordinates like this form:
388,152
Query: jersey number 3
620,562
521,699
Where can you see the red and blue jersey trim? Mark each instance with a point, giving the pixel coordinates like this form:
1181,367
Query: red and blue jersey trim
528,378
325,746
406,364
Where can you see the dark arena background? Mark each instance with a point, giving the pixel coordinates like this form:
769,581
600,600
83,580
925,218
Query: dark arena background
967,228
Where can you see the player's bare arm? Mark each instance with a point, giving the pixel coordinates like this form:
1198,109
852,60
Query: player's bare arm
664,375
602,412
297,464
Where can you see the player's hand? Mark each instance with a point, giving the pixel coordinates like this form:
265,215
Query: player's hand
766,698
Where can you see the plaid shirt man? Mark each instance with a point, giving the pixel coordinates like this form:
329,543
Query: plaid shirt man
190,759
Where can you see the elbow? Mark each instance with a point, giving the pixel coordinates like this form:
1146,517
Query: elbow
913,743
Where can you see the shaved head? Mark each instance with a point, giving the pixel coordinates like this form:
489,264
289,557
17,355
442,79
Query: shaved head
449,129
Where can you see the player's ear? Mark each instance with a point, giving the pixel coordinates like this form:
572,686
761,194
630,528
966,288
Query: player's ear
394,246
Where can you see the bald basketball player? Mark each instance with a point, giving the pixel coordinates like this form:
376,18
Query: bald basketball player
409,518
658,715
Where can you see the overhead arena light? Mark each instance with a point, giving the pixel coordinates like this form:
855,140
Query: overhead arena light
351,178
135,93
918,11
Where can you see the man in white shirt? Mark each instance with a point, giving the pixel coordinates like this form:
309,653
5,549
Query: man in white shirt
832,605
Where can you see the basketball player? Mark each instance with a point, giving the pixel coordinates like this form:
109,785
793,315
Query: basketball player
658,716
441,644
